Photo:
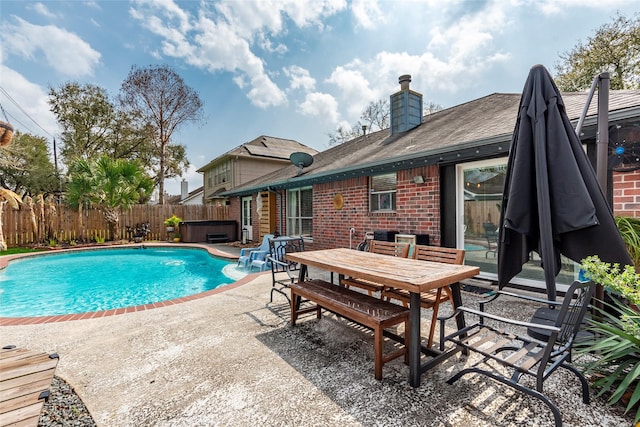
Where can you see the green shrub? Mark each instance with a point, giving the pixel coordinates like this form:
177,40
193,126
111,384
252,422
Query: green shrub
629,228
616,347
616,329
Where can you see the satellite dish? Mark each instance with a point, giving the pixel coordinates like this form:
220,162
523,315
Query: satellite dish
301,159
624,148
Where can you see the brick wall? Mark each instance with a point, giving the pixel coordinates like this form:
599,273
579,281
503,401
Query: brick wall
626,193
417,209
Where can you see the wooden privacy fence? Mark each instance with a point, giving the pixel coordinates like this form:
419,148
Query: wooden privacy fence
62,224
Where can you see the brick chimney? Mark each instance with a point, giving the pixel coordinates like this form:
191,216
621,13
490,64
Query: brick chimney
406,107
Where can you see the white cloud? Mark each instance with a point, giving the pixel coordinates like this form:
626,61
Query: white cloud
62,50
457,53
554,7
223,35
311,12
321,105
268,46
169,10
265,93
32,101
300,78
354,86
211,45
41,9
367,13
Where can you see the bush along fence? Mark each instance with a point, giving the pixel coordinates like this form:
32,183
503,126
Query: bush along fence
57,224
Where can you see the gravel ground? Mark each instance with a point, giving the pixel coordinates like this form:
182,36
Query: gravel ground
64,407
231,359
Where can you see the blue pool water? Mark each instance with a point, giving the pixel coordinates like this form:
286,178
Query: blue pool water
473,247
105,279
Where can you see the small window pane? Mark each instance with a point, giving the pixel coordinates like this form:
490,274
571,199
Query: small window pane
383,193
383,182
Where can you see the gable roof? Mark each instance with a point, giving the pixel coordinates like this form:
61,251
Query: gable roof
198,192
481,128
267,147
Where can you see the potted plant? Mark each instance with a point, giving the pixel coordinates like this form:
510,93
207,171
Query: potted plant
172,222
616,329
176,237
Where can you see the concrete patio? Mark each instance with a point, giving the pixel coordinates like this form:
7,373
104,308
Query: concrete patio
232,359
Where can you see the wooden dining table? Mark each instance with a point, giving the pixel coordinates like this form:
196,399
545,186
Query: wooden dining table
415,276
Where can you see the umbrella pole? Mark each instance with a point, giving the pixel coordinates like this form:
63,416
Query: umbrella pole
602,145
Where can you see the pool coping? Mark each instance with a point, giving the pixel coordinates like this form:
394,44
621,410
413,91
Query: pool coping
14,321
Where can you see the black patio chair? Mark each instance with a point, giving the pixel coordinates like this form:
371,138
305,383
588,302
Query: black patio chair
491,234
521,354
283,272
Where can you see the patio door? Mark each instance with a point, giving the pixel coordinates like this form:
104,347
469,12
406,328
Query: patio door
480,187
247,222
479,199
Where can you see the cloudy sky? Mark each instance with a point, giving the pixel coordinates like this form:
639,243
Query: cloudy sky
293,69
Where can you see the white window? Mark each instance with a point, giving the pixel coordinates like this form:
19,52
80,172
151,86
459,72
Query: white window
300,212
222,173
382,193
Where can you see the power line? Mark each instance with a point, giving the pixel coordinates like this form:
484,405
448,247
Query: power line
23,111
19,122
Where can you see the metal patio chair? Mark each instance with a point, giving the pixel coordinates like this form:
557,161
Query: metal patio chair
491,234
283,272
520,354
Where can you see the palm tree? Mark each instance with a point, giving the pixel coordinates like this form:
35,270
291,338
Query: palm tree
79,189
110,185
11,198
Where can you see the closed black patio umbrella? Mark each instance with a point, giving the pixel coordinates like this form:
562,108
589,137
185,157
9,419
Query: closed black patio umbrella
552,202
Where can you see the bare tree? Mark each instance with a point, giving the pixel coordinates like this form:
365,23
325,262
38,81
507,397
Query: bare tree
376,115
162,98
343,134
430,108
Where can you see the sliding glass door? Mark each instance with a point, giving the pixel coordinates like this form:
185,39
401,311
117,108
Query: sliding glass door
479,197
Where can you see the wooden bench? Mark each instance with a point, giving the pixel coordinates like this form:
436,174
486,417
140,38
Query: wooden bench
371,312
25,377
217,238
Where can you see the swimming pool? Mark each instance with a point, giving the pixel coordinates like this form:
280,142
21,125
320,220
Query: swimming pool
473,247
96,280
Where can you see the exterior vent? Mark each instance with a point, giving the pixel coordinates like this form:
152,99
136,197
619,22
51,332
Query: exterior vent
406,107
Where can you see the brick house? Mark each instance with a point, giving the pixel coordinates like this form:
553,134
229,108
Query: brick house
439,175
245,163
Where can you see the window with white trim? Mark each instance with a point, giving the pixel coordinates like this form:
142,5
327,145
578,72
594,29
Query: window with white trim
300,212
222,173
382,193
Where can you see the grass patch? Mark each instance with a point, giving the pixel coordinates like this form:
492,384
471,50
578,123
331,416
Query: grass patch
12,251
